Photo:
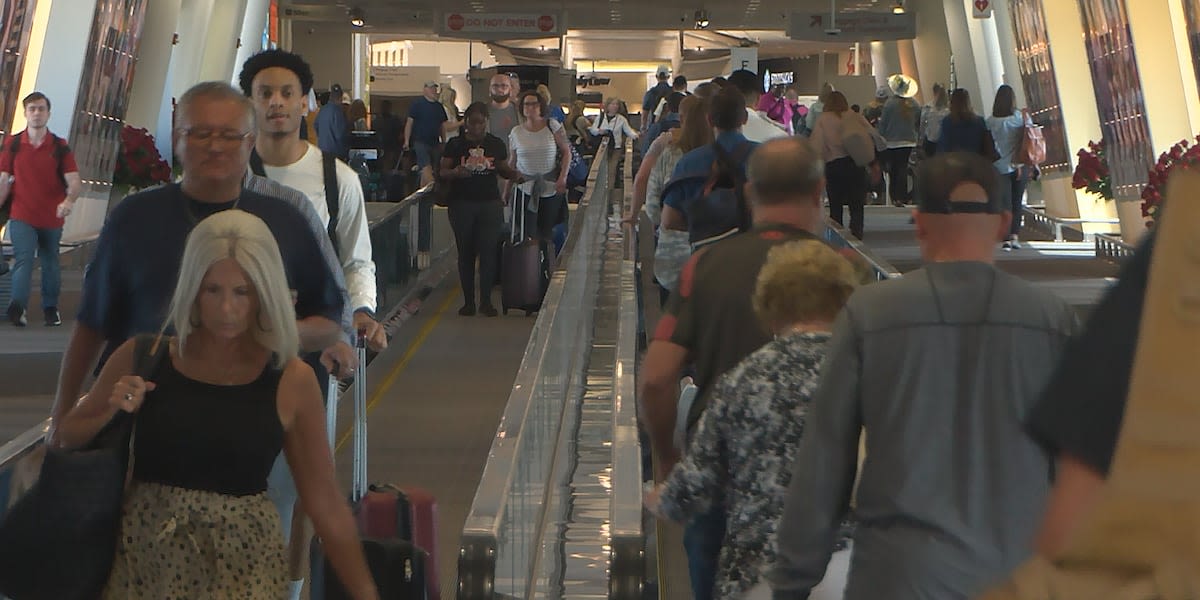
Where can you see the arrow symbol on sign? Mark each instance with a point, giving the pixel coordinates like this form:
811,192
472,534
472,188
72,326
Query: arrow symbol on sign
816,21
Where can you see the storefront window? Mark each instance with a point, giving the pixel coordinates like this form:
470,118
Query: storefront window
17,22
1119,95
1037,76
104,89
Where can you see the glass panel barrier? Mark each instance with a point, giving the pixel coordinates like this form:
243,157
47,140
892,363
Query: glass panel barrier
501,538
627,557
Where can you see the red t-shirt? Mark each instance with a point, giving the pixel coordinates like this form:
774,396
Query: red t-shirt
37,189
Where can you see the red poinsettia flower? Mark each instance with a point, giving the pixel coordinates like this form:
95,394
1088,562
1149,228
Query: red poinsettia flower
1183,155
1091,171
139,164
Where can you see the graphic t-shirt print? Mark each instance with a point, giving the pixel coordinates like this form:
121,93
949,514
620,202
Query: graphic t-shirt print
476,162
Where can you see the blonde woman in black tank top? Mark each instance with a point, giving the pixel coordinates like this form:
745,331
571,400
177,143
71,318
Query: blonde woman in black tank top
210,422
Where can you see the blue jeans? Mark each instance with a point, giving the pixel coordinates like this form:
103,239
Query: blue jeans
702,540
26,240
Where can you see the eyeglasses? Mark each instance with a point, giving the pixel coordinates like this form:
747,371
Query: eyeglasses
204,134
531,103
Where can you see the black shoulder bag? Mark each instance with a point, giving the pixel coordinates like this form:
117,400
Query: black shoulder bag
59,540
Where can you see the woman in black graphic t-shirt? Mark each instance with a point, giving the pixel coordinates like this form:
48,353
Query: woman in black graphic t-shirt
471,163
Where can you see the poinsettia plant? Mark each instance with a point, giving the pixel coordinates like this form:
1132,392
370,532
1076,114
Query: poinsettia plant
1091,171
139,165
1184,154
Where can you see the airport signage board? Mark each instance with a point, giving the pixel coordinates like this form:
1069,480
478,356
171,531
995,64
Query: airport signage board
494,26
855,26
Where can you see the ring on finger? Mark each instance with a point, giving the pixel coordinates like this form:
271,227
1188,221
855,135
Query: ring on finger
128,396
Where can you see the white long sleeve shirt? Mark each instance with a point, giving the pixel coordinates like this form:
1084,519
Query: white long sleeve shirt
354,240
618,125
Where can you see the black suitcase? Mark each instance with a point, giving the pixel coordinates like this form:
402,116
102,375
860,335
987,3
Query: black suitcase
396,564
525,264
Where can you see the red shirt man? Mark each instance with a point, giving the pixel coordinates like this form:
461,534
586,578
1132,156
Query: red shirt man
39,178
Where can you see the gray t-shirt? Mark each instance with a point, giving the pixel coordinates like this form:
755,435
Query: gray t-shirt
502,120
941,369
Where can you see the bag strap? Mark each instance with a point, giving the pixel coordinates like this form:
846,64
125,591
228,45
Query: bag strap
332,200
256,163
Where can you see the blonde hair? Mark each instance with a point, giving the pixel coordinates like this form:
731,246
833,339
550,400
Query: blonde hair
802,281
248,241
543,92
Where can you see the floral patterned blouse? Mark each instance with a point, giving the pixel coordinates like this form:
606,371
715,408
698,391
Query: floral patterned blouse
742,454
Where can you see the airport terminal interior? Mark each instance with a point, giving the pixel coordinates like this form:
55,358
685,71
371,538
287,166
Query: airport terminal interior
529,453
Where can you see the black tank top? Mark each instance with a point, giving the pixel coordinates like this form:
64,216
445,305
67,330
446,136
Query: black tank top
203,436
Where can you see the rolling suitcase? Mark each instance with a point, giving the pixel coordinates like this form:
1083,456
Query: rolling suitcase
396,563
525,264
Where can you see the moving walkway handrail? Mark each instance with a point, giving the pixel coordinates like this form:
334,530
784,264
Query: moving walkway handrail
627,564
839,237
501,534
30,441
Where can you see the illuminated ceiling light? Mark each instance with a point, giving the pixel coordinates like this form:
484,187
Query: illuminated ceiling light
898,7
357,17
702,21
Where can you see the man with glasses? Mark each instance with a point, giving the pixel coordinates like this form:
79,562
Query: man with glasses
502,112
128,285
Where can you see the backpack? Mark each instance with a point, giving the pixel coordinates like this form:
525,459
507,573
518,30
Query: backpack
61,150
857,141
719,209
656,98
329,168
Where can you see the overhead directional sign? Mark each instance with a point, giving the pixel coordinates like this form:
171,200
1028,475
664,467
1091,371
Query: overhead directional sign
852,26
492,26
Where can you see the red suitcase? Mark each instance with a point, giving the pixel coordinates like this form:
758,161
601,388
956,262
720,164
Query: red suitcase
409,513
399,526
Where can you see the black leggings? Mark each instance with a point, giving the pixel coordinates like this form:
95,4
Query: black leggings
476,228
895,163
846,185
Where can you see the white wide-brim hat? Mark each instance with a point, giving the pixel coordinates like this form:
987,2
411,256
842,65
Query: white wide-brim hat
902,85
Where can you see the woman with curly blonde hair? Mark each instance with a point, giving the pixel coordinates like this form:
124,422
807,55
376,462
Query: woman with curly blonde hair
741,454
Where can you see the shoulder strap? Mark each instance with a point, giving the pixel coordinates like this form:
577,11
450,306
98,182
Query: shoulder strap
149,350
332,200
256,163
16,143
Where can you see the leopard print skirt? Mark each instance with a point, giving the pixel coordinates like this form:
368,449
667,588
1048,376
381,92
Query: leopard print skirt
178,543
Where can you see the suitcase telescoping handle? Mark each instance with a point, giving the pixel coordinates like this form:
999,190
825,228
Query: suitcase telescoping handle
358,483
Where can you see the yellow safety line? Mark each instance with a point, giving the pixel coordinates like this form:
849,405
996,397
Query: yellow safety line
404,360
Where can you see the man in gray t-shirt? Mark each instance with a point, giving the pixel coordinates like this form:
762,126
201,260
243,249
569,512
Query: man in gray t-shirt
502,111
940,369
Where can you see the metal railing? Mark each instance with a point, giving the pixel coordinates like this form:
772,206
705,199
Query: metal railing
627,557
502,536
1112,247
840,238
425,231
1040,219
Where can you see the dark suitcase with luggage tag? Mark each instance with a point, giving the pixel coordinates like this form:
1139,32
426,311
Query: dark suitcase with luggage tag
525,263
388,518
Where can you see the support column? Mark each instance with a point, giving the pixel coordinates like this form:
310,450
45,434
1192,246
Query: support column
1081,119
60,65
253,25
220,47
908,66
146,97
885,58
1165,65
932,46
188,57
967,69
